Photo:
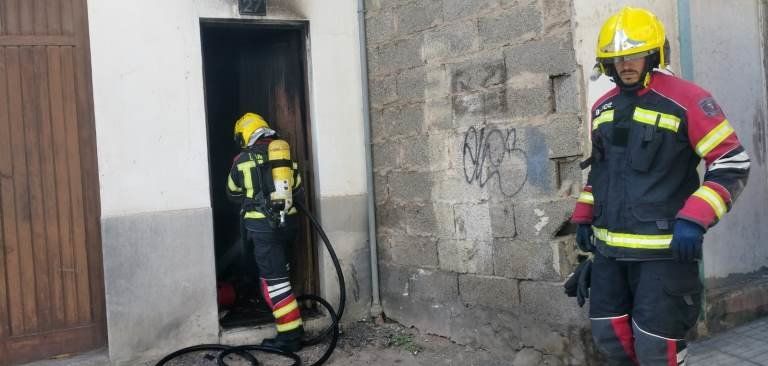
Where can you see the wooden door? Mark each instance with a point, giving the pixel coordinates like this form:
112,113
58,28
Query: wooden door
51,287
272,64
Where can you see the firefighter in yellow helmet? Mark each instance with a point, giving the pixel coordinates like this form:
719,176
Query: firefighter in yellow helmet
264,180
644,210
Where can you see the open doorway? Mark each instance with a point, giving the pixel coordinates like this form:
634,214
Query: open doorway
260,68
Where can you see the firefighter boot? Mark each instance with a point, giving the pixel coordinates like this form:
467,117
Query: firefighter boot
289,341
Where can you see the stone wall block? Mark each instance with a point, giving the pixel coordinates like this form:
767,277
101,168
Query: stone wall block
390,218
399,120
530,101
381,189
556,13
466,256
523,260
438,114
566,255
438,286
480,74
546,302
494,292
510,26
415,152
473,221
410,186
560,133
438,83
455,188
569,176
409,121
502,219
382,91
566,89
425,153
397,55
539,221
420,219
415,251
419,15
450,41
380,27
378,125
553,56
386,156
412,84
458,9
394,280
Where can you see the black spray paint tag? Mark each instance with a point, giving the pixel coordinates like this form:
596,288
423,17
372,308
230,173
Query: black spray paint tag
710,107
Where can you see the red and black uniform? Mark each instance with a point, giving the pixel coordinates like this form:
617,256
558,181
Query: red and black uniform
647,144
250,182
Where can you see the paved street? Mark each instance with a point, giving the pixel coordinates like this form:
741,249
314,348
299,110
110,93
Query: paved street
745,345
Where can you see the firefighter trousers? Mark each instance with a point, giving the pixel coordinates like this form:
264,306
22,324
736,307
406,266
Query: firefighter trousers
269,251
640,311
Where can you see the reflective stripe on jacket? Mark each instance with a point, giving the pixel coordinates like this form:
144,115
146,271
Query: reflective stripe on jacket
248,177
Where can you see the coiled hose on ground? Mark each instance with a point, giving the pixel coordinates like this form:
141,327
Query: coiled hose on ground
332,330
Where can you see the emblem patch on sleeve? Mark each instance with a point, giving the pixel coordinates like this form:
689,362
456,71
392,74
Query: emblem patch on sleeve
710,107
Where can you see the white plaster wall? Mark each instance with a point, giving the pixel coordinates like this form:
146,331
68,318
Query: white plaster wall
589,16
727,61
149,101
153,159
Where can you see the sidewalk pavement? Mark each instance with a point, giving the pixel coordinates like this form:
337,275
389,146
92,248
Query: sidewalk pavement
746,345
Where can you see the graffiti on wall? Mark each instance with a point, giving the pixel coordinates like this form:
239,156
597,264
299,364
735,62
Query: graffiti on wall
492,155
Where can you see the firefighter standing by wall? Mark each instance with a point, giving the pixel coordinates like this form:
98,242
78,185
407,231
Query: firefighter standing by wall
644,210
263,180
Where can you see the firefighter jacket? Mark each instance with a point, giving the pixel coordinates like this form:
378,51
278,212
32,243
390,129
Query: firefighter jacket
646,146
250,183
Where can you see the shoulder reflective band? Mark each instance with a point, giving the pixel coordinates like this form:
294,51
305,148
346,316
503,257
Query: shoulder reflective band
635,241
711,197
714,138
605,116
586,197
666,121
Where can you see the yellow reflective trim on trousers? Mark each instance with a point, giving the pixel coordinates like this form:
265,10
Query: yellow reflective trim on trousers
606,116
586,197
714,138
635,241
289,326
232,186
279,313
666,121
711,197
259,215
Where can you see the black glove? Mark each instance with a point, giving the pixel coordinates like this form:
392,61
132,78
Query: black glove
578,284
584,237
686,241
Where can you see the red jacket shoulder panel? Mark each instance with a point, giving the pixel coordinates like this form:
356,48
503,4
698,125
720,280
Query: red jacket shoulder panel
609,94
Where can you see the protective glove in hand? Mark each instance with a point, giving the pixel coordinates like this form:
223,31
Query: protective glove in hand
584,237
686,241
578,284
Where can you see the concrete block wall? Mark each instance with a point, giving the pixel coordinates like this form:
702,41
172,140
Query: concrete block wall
476,115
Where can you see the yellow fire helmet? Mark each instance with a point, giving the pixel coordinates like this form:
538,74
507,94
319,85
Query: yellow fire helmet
246,126
629,34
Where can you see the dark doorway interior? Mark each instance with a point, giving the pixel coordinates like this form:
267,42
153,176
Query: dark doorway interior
254,68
